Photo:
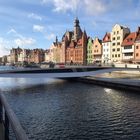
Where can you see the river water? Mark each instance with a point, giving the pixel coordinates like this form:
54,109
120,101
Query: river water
52,109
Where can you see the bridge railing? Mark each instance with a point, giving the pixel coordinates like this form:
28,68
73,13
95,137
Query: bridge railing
8,117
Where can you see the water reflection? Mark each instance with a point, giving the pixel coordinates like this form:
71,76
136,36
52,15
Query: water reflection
58,109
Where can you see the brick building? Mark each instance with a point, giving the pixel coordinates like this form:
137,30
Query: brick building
74,45
36,56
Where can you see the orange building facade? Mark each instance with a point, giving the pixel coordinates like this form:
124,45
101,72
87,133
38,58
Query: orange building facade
97,50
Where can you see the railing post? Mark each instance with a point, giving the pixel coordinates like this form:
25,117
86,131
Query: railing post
6,127
1,112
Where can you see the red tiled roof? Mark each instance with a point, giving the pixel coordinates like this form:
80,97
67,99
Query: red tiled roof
107,38
130,39
138,38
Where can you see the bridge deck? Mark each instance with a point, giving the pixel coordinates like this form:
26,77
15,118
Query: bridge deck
60,73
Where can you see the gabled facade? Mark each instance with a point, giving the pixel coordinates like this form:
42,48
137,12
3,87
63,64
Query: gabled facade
89,51
137,47
14,52
117,36
36,56
56,55
97,50
74,44
128,46
47,55
106,44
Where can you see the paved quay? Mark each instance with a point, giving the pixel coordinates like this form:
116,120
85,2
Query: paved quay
120,80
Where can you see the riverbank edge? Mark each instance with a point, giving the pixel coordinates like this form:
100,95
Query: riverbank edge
109,84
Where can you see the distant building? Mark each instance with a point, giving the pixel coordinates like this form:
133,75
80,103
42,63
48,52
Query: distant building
14,52
36,56
8,59
97,50
56,52
137,47
89,51
106,44
117,36
47,55
4,59
74,45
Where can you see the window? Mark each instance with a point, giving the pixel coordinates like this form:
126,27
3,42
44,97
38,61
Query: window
118,55
113,50
118,49
137,54
118,37
137,47
96,46
117,32
113,38
107,50
114,33
118,43
113,44
128,47
128,54
115,55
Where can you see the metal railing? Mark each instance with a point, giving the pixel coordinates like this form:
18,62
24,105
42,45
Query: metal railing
7,116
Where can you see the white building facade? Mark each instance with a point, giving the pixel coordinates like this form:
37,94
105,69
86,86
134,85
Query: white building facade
106,43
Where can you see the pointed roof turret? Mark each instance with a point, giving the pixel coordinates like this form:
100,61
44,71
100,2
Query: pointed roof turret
76,22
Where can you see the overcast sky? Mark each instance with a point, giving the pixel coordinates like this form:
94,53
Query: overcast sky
35,23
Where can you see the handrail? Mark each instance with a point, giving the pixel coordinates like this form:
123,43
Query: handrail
15,124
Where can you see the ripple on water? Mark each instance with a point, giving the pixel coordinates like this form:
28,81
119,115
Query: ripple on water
70,110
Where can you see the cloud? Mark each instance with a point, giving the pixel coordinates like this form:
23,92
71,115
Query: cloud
38,28
14,33
92,7
89,6
34,16
95,7
50,36
62,5
3,47
24,42
20,40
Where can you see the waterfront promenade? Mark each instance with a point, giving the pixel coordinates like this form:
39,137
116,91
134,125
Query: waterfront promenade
126,80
